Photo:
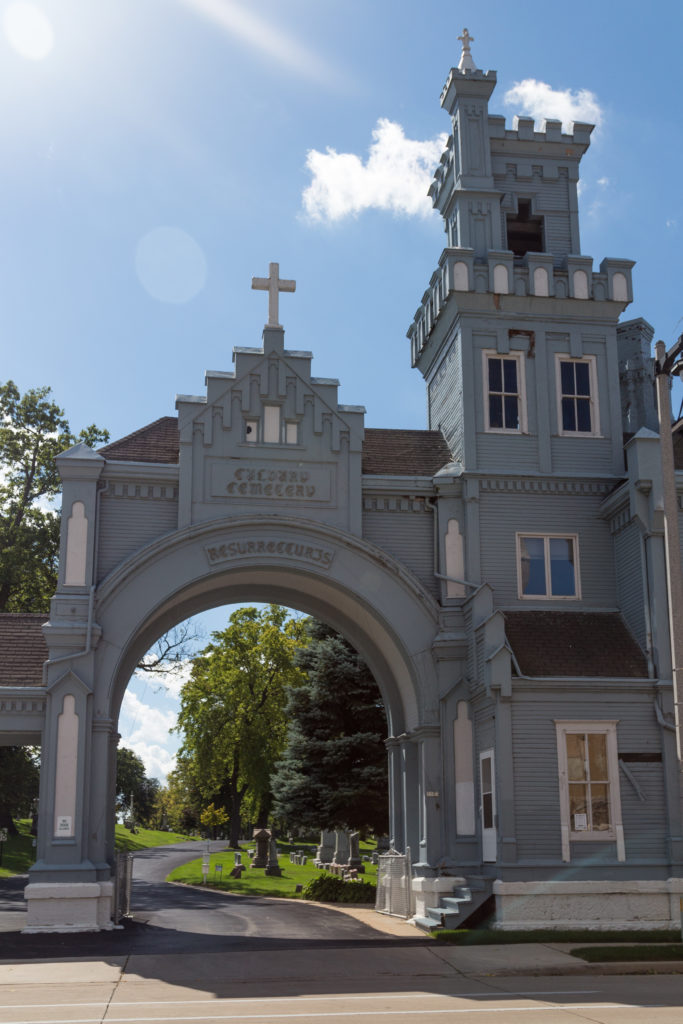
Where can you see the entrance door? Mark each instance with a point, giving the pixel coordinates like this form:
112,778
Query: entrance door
487,809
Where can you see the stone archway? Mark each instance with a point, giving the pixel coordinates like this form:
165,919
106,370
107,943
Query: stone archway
322,570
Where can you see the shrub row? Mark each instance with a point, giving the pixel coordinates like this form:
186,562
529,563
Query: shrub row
333,889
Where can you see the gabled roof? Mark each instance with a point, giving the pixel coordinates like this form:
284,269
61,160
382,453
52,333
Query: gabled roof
22,648
385,452
593,644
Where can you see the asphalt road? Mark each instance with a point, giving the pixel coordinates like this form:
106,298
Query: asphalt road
175,919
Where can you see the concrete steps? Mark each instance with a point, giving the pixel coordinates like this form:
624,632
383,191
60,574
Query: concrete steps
453,911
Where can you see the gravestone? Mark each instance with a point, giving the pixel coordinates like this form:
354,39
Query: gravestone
383,844
262,838
355,862
238,858
325,852
341,849
272,867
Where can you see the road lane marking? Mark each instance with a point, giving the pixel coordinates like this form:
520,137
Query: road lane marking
487,993
353,1013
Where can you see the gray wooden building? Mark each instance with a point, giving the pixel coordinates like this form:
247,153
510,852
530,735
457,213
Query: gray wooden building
502,572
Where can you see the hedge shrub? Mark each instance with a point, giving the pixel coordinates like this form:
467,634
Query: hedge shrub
333,889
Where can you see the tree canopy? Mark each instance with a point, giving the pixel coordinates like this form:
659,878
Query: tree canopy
33,430
232,714
136,793
333,773
19,777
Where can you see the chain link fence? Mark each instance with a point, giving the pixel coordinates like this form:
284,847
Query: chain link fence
394,894
123,883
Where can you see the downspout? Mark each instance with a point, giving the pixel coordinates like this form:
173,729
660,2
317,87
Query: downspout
644,537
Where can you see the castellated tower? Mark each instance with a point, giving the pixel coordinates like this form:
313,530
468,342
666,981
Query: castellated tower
516,334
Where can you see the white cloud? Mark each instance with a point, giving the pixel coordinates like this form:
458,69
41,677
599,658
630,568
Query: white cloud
539,100
604,182
146,723
672,223
395,177
170,682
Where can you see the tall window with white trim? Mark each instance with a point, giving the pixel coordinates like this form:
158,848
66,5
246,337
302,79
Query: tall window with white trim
588,765
504,393
577,399
547,566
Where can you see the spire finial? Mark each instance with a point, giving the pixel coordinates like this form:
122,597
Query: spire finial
466,62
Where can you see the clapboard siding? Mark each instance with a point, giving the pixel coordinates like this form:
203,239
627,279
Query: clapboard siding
504,514
497,452
629,579
590,454
408,536
127,524
537,811
445,400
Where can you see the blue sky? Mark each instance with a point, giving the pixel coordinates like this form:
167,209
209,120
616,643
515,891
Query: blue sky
159,154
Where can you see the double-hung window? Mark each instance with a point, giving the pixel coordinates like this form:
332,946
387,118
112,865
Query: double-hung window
590,805
504,397
548,566
577,396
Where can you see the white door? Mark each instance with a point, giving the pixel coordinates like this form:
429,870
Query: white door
487,807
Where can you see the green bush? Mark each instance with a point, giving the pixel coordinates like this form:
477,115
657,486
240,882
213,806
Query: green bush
333,889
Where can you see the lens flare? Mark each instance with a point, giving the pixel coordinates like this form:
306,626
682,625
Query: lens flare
28,30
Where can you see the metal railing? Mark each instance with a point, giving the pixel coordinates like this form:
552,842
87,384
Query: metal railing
394,894
123,883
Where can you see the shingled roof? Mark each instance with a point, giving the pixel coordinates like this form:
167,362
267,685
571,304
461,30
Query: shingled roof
22,648
593,644
385,452
157,442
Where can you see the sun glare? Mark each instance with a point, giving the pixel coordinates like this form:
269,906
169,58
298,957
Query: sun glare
28,30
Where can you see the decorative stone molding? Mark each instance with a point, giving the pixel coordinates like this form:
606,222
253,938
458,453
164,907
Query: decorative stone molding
388,503
132,489
22,705
546,486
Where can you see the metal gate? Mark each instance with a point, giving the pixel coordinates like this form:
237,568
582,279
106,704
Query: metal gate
123,883
394,894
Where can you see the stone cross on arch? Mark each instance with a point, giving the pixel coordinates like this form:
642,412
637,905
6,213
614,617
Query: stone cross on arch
466,62
273,284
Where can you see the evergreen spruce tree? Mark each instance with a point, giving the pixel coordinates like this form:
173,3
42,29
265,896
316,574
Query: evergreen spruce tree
333,773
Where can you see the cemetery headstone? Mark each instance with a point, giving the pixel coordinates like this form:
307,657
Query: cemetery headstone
355,862
262,838
325,852
272,867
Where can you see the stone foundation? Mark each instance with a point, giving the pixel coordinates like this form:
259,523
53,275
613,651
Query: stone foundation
602,906
69,907
427,892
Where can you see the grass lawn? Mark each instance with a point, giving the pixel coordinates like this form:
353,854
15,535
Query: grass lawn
620,954
144,838
18,853
255,882
491,937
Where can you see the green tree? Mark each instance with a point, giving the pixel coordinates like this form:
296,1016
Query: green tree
232,715
136,793
333,773
213,818
19,777
33,430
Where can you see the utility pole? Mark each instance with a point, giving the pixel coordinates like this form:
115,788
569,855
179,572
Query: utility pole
668,365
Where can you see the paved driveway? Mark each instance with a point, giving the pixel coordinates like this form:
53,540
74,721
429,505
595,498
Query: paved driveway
177,919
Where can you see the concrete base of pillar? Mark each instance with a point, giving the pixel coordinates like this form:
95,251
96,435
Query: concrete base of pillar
427,892
69,907
601,906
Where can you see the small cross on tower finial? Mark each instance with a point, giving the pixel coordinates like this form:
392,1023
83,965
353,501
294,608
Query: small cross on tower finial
273,284
466,62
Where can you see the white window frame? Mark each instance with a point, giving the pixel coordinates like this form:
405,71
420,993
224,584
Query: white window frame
288,430
520,359
548,596
592,364
615,834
